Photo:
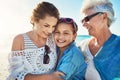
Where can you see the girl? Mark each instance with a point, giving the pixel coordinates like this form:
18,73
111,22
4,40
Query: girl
71,64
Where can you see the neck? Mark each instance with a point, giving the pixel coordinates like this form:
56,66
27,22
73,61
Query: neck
102,38
61,50
38,40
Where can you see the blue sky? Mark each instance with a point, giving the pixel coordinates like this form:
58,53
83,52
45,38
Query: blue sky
15,17
16,13
71,8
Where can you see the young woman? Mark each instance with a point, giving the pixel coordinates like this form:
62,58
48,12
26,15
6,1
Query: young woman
34,52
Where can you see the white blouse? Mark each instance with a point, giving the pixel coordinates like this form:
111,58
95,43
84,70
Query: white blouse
91,72
30,60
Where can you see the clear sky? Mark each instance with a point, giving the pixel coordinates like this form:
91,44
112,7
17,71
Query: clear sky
15,15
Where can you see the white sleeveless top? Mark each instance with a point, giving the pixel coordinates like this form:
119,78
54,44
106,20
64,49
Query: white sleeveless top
91,72
30,60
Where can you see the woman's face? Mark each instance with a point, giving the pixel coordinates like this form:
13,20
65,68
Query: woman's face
96,24
44,27
63,35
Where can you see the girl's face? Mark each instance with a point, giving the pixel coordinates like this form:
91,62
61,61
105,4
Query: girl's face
63,35
44,27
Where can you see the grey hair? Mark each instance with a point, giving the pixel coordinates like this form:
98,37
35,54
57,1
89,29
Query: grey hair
100,6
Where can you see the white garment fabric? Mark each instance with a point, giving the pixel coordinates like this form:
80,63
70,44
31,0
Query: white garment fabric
91,72
30,60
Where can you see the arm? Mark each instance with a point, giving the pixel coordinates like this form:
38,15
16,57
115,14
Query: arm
53,76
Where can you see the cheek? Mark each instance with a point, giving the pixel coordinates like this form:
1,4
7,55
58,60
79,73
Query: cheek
55,37
94,24
40,31
70,38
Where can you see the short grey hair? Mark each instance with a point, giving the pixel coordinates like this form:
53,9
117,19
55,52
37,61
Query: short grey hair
100,6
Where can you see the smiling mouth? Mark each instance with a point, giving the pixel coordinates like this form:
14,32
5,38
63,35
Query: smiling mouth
60,41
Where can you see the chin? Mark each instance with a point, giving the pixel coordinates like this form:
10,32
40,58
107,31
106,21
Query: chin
59,45
90,34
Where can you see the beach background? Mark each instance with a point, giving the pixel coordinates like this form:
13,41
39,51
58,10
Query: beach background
15,19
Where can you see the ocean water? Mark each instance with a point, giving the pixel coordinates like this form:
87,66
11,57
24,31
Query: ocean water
79,38
82,37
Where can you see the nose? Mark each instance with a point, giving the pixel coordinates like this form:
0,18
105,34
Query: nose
61,36
50,30
84,24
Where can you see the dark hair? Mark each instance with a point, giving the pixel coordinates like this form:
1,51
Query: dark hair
43,9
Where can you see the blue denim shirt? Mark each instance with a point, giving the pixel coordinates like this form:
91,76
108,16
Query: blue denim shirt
107,62
72,63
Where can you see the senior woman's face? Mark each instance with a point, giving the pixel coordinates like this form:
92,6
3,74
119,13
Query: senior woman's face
93,22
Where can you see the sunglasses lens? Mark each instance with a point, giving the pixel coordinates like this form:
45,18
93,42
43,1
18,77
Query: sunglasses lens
68,20
87,19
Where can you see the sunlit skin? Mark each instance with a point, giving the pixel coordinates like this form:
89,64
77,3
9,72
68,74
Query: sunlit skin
41,30
64,35
97,27
44,27
94,26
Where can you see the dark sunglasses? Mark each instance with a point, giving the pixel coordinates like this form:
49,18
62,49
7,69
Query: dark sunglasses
69,21
46,57
87,18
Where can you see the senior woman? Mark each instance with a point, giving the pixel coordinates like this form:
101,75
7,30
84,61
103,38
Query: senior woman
102,50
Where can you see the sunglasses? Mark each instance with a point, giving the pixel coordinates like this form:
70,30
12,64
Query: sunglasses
69,21
87,18
46,57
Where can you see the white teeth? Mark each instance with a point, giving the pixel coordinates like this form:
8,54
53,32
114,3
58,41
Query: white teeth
60,41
